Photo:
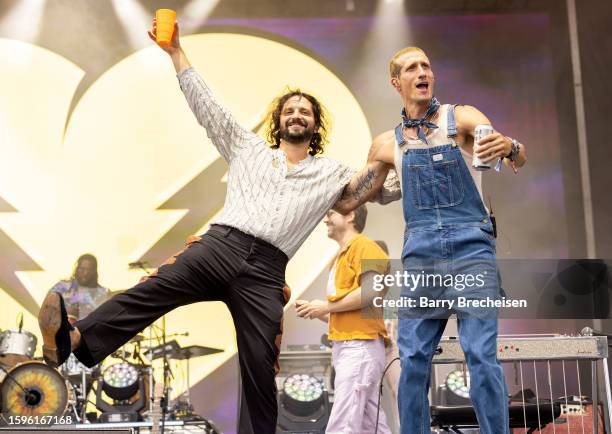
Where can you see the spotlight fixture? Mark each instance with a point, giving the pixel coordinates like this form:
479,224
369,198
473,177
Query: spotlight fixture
458,382
124,384
303,382
303,405
120,381
303,394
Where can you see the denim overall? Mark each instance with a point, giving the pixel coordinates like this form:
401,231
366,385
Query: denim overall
446,222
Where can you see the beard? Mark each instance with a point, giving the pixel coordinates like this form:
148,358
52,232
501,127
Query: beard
88,282
297,137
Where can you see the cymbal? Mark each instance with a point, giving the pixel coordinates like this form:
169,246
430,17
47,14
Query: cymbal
174,351
137,338
194,351
158,351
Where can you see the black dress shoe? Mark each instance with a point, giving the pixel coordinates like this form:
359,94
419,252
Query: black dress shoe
55,329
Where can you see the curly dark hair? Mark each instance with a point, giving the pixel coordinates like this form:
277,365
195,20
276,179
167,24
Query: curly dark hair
93,260
322,124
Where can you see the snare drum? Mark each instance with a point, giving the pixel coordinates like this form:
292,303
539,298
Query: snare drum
16,347
18,342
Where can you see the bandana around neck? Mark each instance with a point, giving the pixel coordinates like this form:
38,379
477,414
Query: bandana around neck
434,105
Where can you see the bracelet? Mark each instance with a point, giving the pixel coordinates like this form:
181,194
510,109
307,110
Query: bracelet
514,149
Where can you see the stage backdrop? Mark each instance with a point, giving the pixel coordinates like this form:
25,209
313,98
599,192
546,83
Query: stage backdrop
100,153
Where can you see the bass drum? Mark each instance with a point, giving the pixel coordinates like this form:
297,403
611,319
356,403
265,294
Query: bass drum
49,394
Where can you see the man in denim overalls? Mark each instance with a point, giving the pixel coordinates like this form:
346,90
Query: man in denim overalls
447,227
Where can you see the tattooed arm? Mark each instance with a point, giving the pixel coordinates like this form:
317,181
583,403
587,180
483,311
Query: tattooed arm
369,180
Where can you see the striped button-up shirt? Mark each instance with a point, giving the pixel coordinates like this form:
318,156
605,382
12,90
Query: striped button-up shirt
263,197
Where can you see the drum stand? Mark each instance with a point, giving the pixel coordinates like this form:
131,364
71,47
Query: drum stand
79,407
187,392
82,398
167,373
152,397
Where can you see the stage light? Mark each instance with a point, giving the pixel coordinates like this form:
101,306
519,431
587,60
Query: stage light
134,18
458,382
387,15
303,394
195,13
303,405
120,381
303,381
123,383
454,389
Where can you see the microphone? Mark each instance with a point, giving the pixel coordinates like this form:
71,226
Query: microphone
20,322
137,264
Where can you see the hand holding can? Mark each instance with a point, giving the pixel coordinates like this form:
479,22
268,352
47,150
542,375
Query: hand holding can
480,132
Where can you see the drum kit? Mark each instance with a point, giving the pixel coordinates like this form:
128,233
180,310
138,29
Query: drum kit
31,388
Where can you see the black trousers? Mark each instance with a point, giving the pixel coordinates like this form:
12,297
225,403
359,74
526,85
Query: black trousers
227,265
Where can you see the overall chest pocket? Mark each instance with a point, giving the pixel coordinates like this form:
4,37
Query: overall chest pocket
435,185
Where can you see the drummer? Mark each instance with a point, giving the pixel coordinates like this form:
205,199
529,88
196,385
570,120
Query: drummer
82,293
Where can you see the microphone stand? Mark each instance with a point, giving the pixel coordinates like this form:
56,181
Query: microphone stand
164,398
167,372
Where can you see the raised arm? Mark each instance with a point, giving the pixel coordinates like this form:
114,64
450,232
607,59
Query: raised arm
366,183
493,146
226,134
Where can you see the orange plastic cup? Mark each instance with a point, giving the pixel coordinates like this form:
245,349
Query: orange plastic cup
165,19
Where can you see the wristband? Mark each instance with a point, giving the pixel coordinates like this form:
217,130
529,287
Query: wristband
514,149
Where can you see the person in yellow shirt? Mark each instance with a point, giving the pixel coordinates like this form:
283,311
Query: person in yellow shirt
356,329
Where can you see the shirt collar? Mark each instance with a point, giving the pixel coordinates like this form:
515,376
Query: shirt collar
348,244
309,158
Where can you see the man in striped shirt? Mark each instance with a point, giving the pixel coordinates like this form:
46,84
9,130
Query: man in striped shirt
276,195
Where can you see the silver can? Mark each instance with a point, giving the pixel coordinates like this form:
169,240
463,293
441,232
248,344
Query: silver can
479,132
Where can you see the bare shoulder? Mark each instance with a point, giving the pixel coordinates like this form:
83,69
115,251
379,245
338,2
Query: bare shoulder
383,147
468,117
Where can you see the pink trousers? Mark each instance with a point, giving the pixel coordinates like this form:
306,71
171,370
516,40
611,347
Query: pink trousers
359,365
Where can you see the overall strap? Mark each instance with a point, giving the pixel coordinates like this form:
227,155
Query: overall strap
399,136
451,126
